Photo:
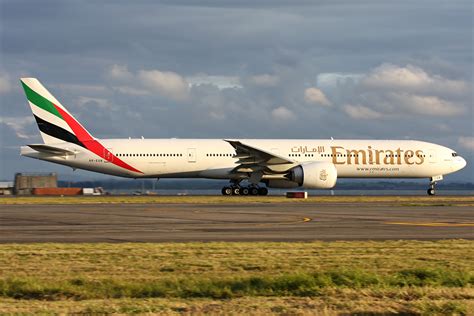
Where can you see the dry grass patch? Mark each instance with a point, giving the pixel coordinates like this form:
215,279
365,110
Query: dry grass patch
149,260
153,199
334,302
259,278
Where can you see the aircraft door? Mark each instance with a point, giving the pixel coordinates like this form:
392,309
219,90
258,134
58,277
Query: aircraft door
108,155
432,156
191,154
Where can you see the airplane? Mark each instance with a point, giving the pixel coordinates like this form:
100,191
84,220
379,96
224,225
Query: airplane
263,163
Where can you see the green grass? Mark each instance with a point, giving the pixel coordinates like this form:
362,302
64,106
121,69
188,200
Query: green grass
296,284
266,277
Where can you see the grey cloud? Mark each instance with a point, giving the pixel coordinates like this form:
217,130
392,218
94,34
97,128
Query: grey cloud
222,82
119,73
414,79
5,85
467,142
391,91
281,113
316,96
144,82
168,83
19,125
360,112
426,105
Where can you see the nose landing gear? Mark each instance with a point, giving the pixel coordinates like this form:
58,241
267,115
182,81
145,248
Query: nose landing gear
431,190
433,182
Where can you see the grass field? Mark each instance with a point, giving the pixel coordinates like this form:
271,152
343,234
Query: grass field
153,199
418,277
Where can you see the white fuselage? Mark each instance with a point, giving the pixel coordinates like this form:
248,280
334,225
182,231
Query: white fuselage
214,158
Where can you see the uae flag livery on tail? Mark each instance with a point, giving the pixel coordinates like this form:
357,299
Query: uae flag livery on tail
57,125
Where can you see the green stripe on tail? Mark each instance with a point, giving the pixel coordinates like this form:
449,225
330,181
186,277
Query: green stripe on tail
40,101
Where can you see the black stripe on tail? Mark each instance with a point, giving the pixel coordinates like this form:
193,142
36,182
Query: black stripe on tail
57,132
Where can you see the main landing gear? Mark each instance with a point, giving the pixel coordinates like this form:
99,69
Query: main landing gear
236,189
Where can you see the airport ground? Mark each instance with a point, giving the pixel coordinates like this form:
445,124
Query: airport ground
204,218
146,255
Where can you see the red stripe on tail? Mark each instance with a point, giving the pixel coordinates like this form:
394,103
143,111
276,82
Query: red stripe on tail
92,144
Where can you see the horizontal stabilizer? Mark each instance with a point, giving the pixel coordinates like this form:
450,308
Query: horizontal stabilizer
51,150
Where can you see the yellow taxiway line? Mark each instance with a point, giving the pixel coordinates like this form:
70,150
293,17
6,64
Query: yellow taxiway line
432,224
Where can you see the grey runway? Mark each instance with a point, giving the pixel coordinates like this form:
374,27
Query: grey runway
232,222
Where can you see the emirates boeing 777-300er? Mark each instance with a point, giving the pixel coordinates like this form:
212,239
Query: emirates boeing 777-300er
276,163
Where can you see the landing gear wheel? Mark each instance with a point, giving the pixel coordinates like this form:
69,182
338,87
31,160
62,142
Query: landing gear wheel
236,191
226,191
262,191
433,181
244,191
253,191
431,190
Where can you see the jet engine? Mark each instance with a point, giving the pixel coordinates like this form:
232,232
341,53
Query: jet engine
314,175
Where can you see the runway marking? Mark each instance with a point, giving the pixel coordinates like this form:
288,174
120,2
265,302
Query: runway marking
303,220
432,224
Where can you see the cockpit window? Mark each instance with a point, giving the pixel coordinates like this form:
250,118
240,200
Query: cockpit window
454,154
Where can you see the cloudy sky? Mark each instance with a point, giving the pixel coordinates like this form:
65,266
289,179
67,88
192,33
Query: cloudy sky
251,69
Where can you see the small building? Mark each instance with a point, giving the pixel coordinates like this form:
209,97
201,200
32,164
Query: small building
25,183
6,188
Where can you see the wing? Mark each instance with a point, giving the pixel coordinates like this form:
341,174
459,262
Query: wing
252,159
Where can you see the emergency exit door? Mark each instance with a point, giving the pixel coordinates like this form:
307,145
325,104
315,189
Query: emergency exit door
191,154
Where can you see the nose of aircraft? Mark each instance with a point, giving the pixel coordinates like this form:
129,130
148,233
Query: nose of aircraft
460,163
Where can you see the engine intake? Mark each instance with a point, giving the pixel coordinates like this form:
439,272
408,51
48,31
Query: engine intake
314,175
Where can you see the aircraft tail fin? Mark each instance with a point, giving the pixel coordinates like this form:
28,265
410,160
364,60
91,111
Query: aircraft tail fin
55,123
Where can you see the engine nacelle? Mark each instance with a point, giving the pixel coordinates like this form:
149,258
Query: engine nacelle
314,175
